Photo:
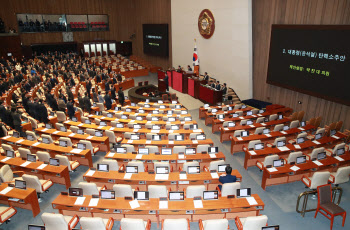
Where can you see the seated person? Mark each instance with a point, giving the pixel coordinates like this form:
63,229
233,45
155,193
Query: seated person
228,178
213,85
218,86
189,68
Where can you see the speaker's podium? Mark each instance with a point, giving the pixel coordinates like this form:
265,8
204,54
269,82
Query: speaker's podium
161,85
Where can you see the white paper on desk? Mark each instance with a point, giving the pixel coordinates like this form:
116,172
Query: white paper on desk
170,131
5,159
110,154
81,124
213,113
127,175
90,115
19,141
198,203
273,169
79,201
103,118
36,143
153,131
214,175
94,202
316,142
251,200
339,158
65,122
263,124
111,128
25,164
181,156
253,115
252,152
162,176
318,163
117,119
184,182
212,155
294,168
6,190
301,128
283,132
334,136
252,126
259,115
241,117
163,204
240,138
51,117
71,135
148,142
100,127
171,142
182,122
55,132
183,176
129,141
139,156
268,135
222,120
195,142
43,130
197,130
90,173
76,150
284,148
135,130
41,166
134,204
226,128
297,146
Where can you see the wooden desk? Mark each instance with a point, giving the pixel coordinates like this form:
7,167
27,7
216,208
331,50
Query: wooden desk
237,144
216,123
203,110
193,86
127,84
27,199
102,142
251,157
286,175
210,95
120,208
58,174
174,159
226,132
168,143
83,157
143,115
209,117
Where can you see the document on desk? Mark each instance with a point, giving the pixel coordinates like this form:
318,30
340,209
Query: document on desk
334,136
170,131
259,115
81,124
297,146
268,135
6,137
71,135
195,142
90,173
316,142
138,156
154,131
252,126
283,132
253,115
19,141
263,124
294,168
283,149
135,130
41,166
339,158
148,142
222,120
110,154
183,176
79,200
89,137
127,176
163,204
226,129
240,138
197,130
94,201
171,142
5,159
36,143
162,176
252,152
198,203
43,130
76,150
273,169
6,190
214,175
25,164
241,118
103,118
212,155
134,204
301,128
318,163
251,200
55,132
111,128
129,141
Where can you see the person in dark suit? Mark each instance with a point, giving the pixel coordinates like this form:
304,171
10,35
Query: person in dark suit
81,102
218,86
121,97
70,108
113,94
9,118
17,122
94,96
69,93
206,77
224,89
108,101
88,86
107,88
166,80
42,112
189,68
213,85
3,112
87,103
228,178
54,103
61,104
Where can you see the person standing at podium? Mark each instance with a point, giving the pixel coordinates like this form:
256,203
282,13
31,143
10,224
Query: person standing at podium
189,68
206,77
121,96
166,80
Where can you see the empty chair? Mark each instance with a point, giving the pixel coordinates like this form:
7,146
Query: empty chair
202,148
320,131
100,106
341,176
148,126
134,224
157,191
189,163
43,156
74,129
334,150
139,164
84,119
193,136
267,162
96,223
6,174
152,149
23,152
260,120
48,138
97,121
293,156
187,126
55,221
219,224
214,165
175,224
294,124
59,126
251,222
228,189
90,188
315,152
61,116
239,113
277,140
238,133
113,164
129,148
32,134
72,165
243,122
7,147
194,190
251,144
40,186
89,146
34,123
259,130
112,138
149,136
91,132
278,128
300,135
238,106
162,164
128,134
273,117
171,136
179,149
67,140
123,190
6,213
319,178
131,124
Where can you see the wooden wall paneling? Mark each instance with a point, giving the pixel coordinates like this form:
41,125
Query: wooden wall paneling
268,12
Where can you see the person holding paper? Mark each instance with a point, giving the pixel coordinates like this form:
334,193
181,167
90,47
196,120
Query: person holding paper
227,178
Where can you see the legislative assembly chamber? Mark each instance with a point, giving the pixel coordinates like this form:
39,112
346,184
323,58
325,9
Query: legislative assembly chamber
174,114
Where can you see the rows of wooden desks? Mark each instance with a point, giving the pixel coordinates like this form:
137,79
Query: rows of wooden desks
58,174
21,198
217,123
290,173
209,117
121,208
238,142
142,116
252,156
167,143
82,156
203,110
102,142
226,132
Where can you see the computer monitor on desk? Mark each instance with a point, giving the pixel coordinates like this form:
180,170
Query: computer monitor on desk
249,113
131,169
141,195
137,126
103,167
10,153
167,151
156,137
259,146
190,151
75,192
134,137
20,184
107,194
162,170
121,150
321,155
281,143
179,137
143,151
193,169
210,195
54,162
243,192
275,227
213,149
31,157
301,159
98,133
81,146
15,134
340,151
36,227
45,140
103,123
80,131
176,196
300,140
278,163
63,143
222,168
174,127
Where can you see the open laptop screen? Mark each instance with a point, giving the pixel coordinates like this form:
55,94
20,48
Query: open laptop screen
162,170
107,194
193,169
31,157
54,162
222,168
143,151
300,160
36,227
210,195
141,195
21,184
166,151
244,192
131,169
278,163
103,167
176,196
190,151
